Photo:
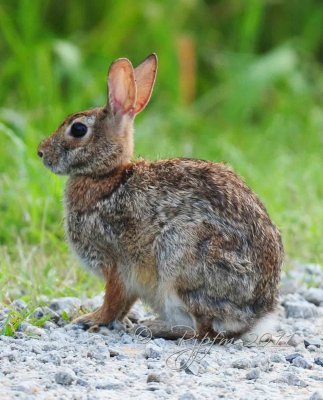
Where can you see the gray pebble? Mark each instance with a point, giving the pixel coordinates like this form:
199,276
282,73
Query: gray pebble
69,305
189,366
253,374
153,351
316,396
187,396
153,386
242,363
295,340
65,378
312,342
126,339
317,378
159,342
27,387
291,380
49,325
113,352
291,357
50,359
312,349
82,382
319,361
153,378
314,295
111,384
300,309
18,305
300,362
277,358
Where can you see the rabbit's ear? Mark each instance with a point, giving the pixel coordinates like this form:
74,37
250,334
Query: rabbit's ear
122,87
145,75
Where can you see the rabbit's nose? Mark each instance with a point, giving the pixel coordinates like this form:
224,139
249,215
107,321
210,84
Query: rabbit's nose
40,153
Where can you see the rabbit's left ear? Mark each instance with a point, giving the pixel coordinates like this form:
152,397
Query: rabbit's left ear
145,75
122,87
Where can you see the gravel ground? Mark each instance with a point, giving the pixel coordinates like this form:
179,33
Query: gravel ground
61,361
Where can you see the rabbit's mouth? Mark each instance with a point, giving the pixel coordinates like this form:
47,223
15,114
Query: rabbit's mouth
55,168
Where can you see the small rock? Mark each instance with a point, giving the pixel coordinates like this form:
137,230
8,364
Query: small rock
153,387
291,357
300,309
159,342
312,342
317,378
153,378
291,380
277,358
91,305
187,396
69,305
116,326
238,344
318,361
316,396
27,387
100,353
312,349
18,335
49,325
242,363
314,295
153,351
41,312
113,352
82,382
259,361
295,340
253,374
300,362
34,330
111,384
18,305
50,359
189,366
126,339
65,378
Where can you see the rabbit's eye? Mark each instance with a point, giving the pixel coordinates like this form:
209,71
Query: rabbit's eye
78,129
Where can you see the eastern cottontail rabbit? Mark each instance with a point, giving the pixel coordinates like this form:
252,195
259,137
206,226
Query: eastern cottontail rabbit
186,236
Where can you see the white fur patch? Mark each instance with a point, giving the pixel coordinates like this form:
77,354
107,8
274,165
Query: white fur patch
175,311
264,330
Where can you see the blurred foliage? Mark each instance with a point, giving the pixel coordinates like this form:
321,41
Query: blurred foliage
239,81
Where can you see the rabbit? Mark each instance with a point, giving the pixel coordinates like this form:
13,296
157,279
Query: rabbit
188,237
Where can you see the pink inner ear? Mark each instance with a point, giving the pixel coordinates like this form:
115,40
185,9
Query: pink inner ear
145,75
122,88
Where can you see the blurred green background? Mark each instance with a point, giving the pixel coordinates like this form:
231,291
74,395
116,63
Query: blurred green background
238,81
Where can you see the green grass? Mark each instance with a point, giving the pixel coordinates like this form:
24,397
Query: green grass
257,105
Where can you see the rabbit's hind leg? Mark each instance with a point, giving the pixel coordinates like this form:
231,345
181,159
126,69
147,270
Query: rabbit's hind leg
116,304
161,329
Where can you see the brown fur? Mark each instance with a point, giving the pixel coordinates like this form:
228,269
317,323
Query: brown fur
187,236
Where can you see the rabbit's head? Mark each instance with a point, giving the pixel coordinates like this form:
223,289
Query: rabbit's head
94,142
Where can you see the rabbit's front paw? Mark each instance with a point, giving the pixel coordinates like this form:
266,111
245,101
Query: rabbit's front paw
91,319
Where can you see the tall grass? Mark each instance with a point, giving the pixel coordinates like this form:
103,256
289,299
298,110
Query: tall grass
255,101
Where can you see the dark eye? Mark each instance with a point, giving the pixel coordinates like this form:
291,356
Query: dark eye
78,129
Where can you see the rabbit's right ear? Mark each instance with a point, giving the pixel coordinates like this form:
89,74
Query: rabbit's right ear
145,75
122,87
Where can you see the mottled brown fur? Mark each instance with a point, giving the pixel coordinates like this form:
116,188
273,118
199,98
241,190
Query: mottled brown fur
187,236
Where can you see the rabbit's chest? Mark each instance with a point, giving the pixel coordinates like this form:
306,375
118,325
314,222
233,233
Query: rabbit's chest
104,240
93,240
